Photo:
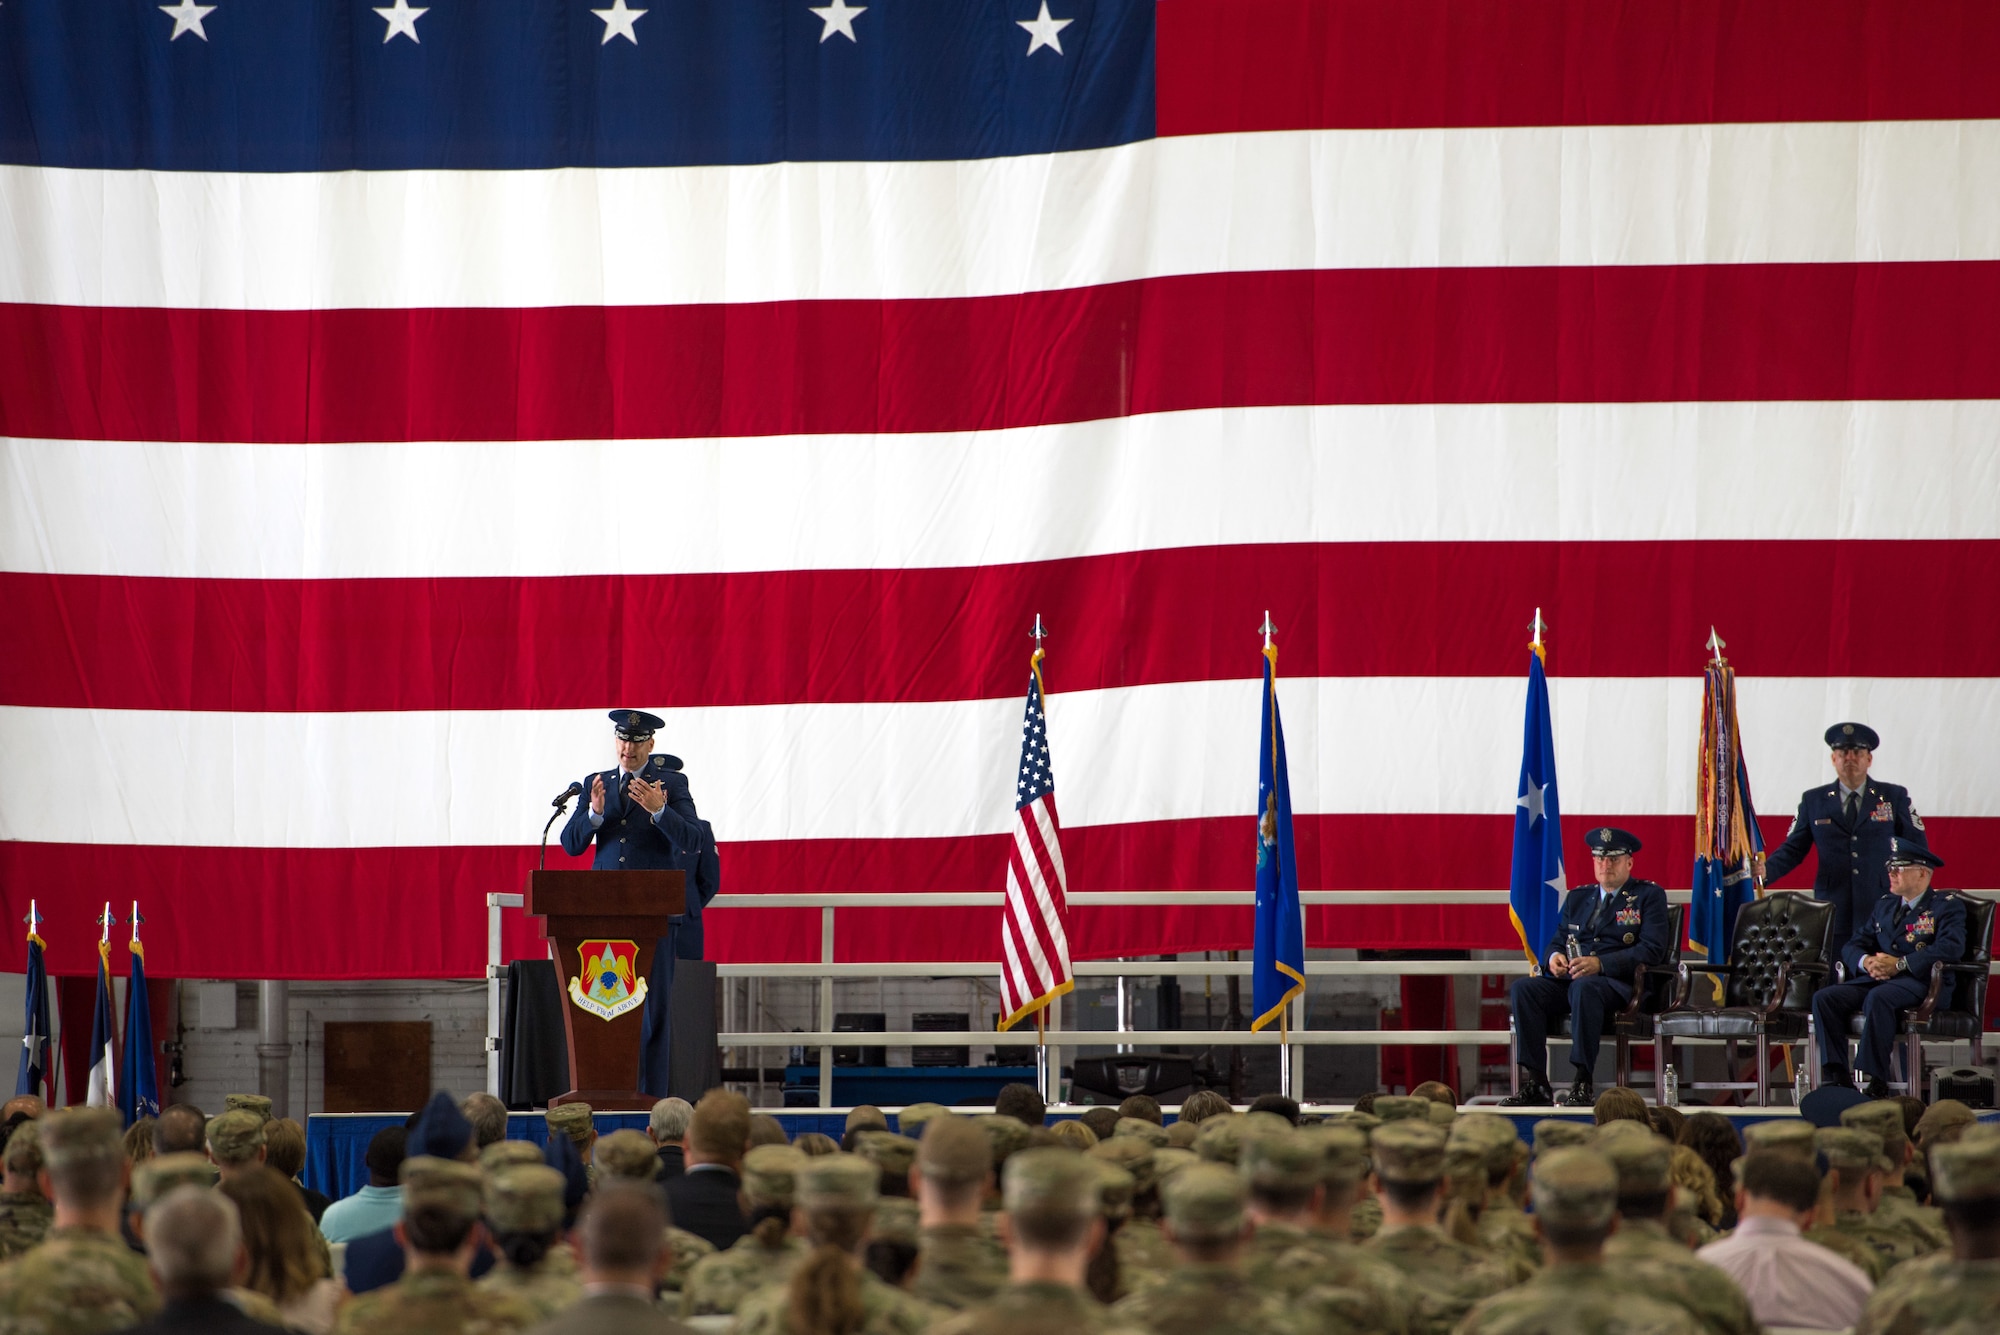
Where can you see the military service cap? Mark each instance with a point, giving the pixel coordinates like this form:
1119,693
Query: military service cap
504,1152
1205,1203
1051,1180
837,1181
1851,1149
1343,1153
1967,1169
235,1137
24,1150
635,725
1004,1134
954,1150
163,1172
1402,1107
865,1117
895,1155
441,1131
1114,1188
1940,1120
1495,1135
525,1198
1169,1161
76,1136
1912,853
913,1119
431,1182
572,1120
1275,1163
1133,1155
628,1154
1181,1135
1220,1139
1575,1186
1852,734
771,1175
1885,1119
255,1103
1555,1133
1441,1114
1409,1151
1151,1132
1608,841
1781,1135
1643,1161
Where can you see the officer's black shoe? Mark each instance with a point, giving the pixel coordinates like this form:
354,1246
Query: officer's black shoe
1534,1093
1580,1094
1836,1076
1877,1087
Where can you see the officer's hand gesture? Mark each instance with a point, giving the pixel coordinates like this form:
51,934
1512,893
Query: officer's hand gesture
1583,966
1880,966
1559,965
652,796
597,796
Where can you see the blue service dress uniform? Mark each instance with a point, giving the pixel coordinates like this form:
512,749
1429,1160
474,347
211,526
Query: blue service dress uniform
1631,927
1852,852
1927,933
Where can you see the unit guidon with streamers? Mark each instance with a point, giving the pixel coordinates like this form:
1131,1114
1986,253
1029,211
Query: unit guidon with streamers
386,390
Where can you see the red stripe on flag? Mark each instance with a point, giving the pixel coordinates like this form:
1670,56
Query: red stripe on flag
1129,619
1391,64
419,912
1510,335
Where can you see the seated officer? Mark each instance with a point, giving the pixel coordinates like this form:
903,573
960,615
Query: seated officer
1888,965
1607,931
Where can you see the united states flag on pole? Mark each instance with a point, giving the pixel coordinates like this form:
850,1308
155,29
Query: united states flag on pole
1034,932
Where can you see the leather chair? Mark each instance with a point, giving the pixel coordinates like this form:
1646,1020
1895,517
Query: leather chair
1954,1010
1653,988
1778,957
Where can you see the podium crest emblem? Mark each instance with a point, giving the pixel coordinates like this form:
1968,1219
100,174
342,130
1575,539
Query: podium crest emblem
608,984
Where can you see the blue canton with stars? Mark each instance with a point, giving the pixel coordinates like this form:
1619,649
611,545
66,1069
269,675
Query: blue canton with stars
1037,776
338,85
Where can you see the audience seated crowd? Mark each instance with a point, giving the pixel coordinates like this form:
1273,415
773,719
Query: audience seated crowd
1404,1216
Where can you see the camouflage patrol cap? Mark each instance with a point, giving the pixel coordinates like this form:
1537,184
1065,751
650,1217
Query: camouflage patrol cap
1258,1122
1576,1187
1851,1149
1220,1139
1205,1203
501,1153
1343,1153
235,1137
1940,1120
1052,1181
1363,1122
913,1119
628,1154
525,1198
77,1136
1151,1132
430,1182
1005,1134
1967,1169
572,1120
1133,1155
163,1172
252,1103
955,1151
771,1175
1555,1133
24,1150
1181,1135
897,1219
1643,1161
1401,1107
1409,1151
834,1181
1885,1119
1782,1135
1169,1161
865,1117
1441,1114
1276,1163
893,1154
1114,1188
1498,1142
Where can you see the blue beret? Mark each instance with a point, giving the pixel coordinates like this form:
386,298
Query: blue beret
1911,853
1852,734
635,725
442,1131
1824,1105
1607,840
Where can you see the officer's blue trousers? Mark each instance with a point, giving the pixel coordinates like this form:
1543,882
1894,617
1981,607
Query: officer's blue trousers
1835,1005
1540,1002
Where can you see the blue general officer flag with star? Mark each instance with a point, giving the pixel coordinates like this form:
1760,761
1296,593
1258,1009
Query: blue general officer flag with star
1536,886
139,1083
33,1076
1278,965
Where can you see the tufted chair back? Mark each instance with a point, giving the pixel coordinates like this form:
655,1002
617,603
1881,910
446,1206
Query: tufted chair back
1970,998
1778,929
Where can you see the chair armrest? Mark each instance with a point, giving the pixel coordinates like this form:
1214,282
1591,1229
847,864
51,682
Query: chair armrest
1783,984
1928,1006
1680,1003
1631,1008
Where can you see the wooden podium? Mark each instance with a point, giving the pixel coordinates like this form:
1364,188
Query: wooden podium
601,927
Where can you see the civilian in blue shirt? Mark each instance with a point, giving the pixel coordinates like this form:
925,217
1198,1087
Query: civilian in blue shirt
379,1204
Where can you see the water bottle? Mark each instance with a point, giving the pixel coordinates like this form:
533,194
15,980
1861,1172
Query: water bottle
1671,1082
1800,1086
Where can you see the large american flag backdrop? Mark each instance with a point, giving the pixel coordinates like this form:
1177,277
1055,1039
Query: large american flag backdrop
388,390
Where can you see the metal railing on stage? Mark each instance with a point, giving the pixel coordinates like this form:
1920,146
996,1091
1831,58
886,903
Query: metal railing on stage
1291,1043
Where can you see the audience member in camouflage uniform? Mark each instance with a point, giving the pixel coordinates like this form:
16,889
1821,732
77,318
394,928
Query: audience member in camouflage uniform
1151,1132
1105,1279
1503,1227
24,1212
257,1104
442,1200
1323,1269
958,1262
768,1253
1054,1223
1206,1292
1855,1167
576,1122
1648,1258
83,1278
631,1156
831,1292
1959,1296
1142,1248
1449,1276
1479,1160
1576,1195
1898,1204
524,1213
508,1153
1365,1221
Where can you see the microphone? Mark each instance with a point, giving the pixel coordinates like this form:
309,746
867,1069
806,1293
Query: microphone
560,803
562,798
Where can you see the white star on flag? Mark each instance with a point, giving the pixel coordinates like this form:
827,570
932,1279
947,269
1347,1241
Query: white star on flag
401,19
187,17
1532,798
1559,882
618,21
1044,30
839,18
